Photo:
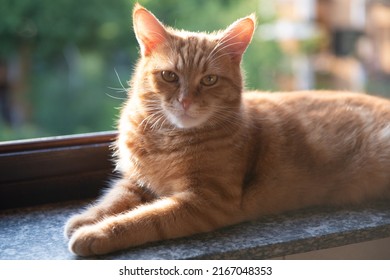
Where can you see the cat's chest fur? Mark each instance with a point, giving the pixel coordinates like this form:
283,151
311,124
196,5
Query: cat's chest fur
172,161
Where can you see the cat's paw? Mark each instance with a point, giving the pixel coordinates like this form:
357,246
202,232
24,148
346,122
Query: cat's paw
91,240
76,222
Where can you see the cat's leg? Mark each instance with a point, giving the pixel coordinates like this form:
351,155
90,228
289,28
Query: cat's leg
122,196
166,218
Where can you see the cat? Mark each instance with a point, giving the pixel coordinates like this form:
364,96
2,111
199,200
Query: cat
196,153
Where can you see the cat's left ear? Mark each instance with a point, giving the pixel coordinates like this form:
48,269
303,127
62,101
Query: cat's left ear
150,32
236,38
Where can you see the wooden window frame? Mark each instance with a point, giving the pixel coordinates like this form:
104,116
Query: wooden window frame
54,169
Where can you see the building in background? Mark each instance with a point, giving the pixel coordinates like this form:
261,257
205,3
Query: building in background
374,47
343,44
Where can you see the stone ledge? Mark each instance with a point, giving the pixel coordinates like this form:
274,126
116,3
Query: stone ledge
37,233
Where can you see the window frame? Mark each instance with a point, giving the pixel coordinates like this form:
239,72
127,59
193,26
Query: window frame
53,169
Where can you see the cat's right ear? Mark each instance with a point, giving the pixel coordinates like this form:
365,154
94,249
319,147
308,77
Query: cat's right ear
237,37
148,29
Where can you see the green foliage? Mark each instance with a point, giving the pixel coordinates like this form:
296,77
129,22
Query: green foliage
70,51
49,25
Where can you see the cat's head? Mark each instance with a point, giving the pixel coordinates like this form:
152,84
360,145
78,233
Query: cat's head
190,79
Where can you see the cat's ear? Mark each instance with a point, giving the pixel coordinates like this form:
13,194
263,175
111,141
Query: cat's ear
149,31
236,38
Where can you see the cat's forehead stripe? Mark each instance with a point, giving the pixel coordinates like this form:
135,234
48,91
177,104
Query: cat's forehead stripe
191,53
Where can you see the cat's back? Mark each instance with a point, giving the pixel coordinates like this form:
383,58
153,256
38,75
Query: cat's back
315,100
319,108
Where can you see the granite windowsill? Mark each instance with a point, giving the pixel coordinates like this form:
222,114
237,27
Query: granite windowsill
37,233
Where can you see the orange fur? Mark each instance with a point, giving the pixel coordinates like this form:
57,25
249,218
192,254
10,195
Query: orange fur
196,153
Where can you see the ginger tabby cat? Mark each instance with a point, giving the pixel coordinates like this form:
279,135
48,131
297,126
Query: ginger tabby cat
196,153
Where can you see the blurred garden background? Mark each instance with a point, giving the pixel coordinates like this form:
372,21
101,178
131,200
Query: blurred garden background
64,64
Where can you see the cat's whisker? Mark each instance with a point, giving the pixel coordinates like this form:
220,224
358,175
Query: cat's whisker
120,82
155,126
145,122
163,123
142,122
155,121
119,90
115,97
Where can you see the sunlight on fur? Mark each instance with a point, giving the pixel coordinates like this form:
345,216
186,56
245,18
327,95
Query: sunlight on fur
196,153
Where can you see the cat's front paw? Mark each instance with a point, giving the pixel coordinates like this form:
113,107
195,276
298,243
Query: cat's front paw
92,240
76,222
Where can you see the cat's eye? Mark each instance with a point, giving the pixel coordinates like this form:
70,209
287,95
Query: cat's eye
209,80
169,76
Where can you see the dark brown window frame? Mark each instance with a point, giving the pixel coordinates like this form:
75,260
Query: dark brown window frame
54,169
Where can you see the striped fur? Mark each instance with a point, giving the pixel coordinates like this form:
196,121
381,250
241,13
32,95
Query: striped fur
195,157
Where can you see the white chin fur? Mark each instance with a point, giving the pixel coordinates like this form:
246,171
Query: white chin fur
185,121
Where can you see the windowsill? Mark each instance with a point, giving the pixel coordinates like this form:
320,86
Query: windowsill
36,233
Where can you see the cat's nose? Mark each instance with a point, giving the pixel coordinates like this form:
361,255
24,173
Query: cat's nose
185,103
